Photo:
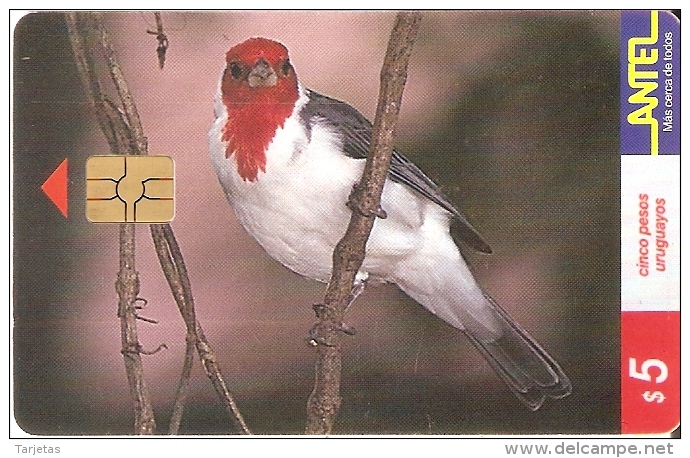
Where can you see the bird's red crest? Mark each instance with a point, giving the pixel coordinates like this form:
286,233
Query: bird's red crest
255,113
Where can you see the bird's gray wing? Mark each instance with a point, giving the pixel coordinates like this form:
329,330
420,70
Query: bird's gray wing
356,131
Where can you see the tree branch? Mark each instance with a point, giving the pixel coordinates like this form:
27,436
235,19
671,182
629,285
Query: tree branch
124,132
182,385
172,263
162,39
324,401
139,141
117,131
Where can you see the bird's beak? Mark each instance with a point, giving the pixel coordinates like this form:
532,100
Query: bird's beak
262,75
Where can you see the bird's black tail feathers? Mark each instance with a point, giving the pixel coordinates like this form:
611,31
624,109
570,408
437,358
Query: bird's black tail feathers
521,362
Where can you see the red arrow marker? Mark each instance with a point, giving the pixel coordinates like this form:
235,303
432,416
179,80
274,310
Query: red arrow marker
55,187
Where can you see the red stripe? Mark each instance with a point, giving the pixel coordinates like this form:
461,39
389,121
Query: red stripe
650,372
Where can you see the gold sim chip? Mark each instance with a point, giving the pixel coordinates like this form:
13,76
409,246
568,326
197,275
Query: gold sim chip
130,189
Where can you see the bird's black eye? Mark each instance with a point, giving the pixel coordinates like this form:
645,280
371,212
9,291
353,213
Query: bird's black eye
235,70
286,68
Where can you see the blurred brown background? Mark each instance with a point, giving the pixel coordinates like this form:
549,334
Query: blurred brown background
514,114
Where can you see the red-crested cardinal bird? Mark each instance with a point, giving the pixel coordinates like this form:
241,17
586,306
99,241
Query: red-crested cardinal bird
288,158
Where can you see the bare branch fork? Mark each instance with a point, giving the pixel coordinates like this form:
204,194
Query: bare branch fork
117,127
162,39
173,266
365,200
123,130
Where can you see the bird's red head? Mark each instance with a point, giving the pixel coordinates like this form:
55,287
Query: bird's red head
259,90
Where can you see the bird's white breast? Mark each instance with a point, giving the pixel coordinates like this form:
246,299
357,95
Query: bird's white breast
297,210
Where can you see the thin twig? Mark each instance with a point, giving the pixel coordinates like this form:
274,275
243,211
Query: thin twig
162,39
117,132
172,263
324,402
89,79
127,286
140,143
183,385
124,132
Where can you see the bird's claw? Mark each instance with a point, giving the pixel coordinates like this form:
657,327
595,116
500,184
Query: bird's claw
320,333
380,212
354,204
316,338
346,329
